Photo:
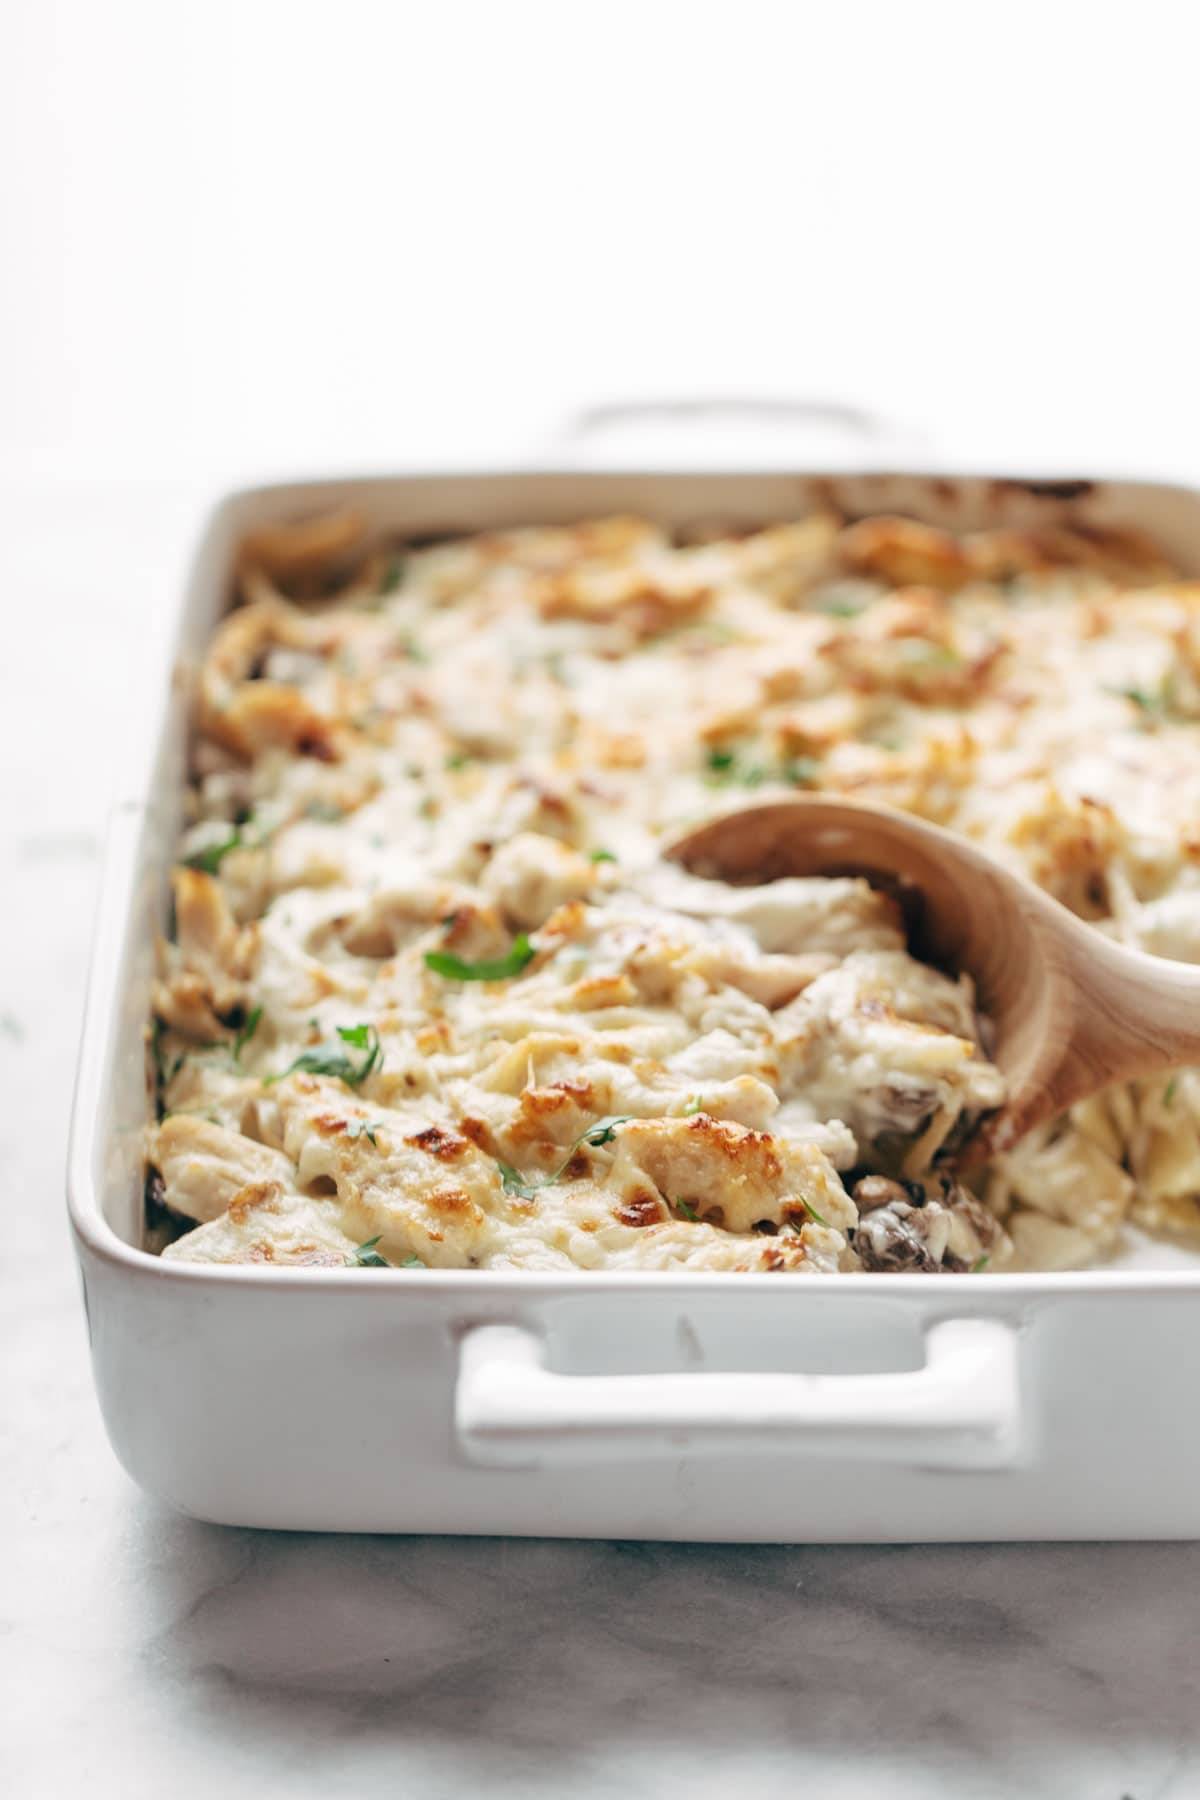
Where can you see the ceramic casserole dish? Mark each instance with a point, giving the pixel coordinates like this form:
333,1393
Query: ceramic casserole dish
680,1405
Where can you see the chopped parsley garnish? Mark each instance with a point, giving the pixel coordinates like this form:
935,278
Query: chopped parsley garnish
246,1031
360,1128
411,1262
813,1214
458,759
1141,697
164,1072
393,575
1170,1091
209,857
250,833
495,968
922,652
333,1058
702,631
1153,703
847,599
694,1105
602,1132
979,1265
725,768
513,1182
689,1212
367,1257
599,856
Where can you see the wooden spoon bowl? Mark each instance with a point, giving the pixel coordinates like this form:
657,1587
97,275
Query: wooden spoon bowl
1071,1011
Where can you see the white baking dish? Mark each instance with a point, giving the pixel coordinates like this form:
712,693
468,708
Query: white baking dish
742,1407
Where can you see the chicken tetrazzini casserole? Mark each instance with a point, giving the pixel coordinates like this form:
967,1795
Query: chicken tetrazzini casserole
431,998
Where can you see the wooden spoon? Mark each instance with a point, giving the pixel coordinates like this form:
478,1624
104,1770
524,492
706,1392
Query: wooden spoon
1071,1010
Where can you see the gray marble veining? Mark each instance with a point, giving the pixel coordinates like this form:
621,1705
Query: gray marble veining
143,1654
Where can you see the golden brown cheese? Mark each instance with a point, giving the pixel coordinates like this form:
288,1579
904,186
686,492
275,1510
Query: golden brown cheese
465,760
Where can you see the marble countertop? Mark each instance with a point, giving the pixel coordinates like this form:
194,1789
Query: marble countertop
141,1653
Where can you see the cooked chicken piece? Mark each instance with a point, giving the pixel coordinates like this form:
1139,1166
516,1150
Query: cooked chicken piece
304,547
889,1046
204,1166
530,876
797,914
640,603
739,1178
203,975
905,552
425,1187
249,714
265,1224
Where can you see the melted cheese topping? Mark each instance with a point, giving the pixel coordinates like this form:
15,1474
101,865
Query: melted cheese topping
463,764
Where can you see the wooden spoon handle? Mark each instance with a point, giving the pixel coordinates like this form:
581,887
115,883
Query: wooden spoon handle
1120,1014
1137,1013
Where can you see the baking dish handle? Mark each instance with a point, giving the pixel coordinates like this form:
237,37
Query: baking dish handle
701,427
961,1410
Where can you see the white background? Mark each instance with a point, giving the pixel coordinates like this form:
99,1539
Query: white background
239,240
259,235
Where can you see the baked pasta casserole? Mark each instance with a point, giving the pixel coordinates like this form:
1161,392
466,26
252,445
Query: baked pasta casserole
431,997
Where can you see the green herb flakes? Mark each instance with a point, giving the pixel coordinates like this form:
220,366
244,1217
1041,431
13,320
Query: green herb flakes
246,1031
164,1071
209,857
367,1257
801,771
1154,704
813,1214
364,1128
496,968
333,1058
513,1182
393,575
602,1132
726,768
922,653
